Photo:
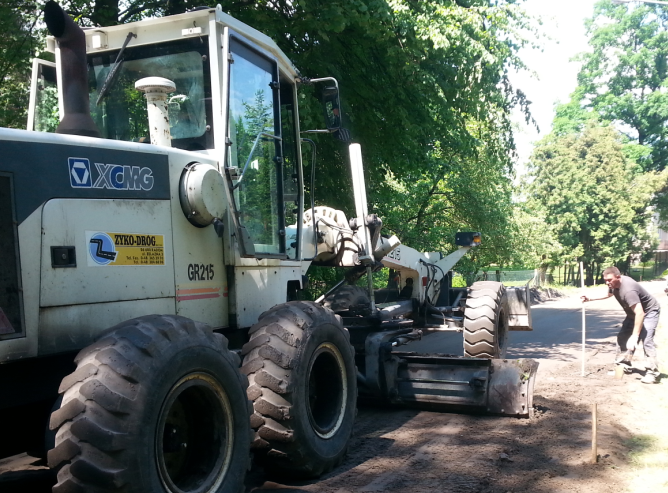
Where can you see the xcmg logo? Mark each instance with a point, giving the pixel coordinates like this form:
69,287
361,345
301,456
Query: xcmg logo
112,176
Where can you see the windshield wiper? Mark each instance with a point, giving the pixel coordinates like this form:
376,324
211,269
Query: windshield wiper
114,70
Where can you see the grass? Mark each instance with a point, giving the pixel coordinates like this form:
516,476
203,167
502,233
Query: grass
649,462
649,453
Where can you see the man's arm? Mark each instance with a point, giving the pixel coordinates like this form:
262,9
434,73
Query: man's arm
637,325
586,298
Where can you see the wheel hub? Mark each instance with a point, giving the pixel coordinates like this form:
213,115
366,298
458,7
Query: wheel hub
327,390
194,436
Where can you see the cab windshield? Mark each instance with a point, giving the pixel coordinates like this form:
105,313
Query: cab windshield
121,112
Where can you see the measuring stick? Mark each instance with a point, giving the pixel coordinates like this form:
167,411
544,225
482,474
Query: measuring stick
582,285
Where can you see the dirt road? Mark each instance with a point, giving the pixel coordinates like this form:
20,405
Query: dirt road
404,450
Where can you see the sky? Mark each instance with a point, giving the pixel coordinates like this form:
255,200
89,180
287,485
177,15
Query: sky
563,22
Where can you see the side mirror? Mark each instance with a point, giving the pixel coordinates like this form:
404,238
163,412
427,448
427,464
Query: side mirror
331,104
332,107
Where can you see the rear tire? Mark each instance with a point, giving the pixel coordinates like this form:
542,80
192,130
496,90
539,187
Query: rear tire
486,320
345,297
303,384
157,404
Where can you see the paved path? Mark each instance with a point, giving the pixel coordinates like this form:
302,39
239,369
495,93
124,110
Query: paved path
557,334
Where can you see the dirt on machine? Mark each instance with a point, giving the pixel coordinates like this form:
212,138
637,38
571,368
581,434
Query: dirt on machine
155,239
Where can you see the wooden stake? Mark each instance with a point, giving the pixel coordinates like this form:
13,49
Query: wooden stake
594,435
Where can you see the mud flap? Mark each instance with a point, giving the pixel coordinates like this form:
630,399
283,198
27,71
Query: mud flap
444,382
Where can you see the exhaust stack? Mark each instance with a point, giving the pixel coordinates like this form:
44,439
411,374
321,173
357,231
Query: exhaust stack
72,44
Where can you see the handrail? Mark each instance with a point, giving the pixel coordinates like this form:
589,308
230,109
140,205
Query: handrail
250,155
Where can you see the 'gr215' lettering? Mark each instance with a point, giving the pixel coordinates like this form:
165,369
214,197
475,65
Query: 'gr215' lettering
200,272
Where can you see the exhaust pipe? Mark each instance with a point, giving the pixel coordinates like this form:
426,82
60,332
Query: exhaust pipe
72,44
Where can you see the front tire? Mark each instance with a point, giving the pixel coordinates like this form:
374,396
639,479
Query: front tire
157,404
303,384
486,320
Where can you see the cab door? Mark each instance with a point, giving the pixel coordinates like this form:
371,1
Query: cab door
254,158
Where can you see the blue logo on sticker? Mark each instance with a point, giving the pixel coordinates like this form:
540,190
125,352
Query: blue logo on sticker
102,249
80,176
110,176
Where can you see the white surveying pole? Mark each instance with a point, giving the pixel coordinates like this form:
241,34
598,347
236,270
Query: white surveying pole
582,285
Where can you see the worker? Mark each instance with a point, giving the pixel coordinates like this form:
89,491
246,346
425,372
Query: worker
642,316
407,291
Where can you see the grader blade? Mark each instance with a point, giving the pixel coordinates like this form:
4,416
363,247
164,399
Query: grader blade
519,304
490,386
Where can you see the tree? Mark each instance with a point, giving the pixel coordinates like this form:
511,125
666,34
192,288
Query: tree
625,76
451,61
596,200
19,38
535,243
425,90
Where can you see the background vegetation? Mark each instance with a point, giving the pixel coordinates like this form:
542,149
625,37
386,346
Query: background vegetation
600,176
426,91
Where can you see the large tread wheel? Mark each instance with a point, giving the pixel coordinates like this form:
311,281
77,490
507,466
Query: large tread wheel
157,404
345,297
486,320
303,384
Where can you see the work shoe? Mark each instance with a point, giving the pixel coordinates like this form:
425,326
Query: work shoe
650,377
626,365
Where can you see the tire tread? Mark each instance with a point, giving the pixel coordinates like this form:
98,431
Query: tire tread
282,330
483,308
91,441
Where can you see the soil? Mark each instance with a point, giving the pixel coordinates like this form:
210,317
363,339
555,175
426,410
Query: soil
412,451
405,450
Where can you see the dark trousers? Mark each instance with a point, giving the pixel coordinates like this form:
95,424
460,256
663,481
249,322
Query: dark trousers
646,336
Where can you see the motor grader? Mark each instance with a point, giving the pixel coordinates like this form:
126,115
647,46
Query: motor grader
154,239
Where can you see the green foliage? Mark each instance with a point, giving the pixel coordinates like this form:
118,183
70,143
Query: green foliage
19,38
425,90
625,75
458,281
535,242
571,117
623,81
321,280
592,198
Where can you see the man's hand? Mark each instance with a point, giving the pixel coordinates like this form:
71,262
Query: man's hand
584,298
631,343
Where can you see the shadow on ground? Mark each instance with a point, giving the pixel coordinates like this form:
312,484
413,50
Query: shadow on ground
445,452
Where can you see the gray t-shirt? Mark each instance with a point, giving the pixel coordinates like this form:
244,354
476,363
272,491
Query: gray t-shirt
631,293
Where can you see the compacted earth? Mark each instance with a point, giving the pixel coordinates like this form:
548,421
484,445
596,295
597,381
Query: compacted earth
408,450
